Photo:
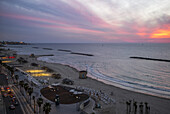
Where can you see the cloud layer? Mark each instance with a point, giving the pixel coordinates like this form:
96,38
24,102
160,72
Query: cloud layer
85,20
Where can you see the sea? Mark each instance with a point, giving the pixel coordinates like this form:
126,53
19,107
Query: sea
112,64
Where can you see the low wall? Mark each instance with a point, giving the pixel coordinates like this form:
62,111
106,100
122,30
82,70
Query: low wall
84,104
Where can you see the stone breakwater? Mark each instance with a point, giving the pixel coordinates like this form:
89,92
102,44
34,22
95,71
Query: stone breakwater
76,53
152,59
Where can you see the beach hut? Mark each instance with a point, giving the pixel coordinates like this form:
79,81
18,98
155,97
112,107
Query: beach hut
83,74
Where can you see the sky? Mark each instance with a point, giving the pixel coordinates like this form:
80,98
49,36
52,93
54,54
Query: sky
85,21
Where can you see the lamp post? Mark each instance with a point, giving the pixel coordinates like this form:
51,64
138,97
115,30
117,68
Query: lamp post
48,80
33,97
39,102
78,103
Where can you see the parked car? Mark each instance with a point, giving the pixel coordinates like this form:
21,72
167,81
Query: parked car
13,99
5,94
2,89
11,95
12,107
15,103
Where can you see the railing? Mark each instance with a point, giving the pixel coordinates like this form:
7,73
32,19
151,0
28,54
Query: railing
84,104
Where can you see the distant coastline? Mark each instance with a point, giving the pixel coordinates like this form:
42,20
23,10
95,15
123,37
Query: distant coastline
13,43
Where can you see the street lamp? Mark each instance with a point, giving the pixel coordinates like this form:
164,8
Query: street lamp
48,80
57,100
39,102
33,97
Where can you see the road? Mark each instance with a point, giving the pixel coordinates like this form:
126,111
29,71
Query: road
23,107
8,100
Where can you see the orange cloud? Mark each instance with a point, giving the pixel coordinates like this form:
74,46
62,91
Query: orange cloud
161,33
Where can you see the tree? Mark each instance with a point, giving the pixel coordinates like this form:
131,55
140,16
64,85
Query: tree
39,102
30,91
47,108
33,97
26,86
21,83
17,77
11,69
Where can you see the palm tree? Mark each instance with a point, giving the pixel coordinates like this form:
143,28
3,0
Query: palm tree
17,77
30,91
26,86
21,83
47,108
39,102
33,97
11,69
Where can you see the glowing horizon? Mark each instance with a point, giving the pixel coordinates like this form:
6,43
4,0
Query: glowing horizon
85,21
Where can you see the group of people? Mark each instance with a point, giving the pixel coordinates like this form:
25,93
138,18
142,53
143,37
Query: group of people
97,94
132,107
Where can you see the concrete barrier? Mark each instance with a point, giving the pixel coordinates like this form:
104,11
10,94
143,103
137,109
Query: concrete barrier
84,104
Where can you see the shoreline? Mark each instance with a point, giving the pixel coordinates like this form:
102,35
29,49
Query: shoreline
100,80
109,84
119,94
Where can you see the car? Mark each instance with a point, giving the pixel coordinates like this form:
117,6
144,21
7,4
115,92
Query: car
13,99
11,95
9,92
5,95
7,89
2,89
15,103
12,107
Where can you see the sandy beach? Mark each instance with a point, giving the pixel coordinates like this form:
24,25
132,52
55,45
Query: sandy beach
121,96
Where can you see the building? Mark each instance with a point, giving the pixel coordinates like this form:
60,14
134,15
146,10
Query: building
83,74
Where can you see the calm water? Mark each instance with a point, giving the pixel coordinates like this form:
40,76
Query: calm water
111,64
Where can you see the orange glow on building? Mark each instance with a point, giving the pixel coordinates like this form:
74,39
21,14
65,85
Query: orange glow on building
35,71
6,61
161,34
41,74
10,57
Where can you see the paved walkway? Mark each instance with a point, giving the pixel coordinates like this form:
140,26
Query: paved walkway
89,108
65,109
60,109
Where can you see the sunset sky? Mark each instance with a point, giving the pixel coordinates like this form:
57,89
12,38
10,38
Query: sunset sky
85,21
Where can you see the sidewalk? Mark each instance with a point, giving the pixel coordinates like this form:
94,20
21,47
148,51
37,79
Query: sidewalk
89,108
2,107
